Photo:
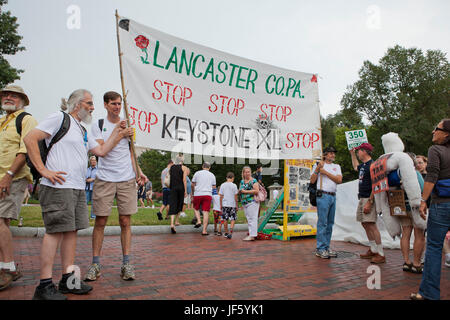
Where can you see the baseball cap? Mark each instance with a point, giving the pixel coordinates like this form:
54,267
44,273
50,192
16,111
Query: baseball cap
365,146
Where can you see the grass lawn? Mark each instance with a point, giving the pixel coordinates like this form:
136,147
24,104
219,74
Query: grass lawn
32,217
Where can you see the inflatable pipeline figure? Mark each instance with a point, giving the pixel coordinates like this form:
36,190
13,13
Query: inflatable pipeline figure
395,160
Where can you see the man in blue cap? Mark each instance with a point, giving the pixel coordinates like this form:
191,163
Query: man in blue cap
366,213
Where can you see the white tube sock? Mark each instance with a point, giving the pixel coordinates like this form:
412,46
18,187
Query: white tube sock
380,249
9,265
373,246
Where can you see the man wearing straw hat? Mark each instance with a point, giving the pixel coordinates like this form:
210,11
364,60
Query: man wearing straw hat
14,174
116,178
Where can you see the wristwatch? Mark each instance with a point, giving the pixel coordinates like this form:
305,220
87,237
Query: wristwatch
10,173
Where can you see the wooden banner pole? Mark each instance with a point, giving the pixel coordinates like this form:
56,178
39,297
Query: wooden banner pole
124,94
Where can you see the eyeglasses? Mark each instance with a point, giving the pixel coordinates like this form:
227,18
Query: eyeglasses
439,129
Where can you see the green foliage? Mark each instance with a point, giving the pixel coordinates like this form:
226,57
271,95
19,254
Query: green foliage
407,93
9,45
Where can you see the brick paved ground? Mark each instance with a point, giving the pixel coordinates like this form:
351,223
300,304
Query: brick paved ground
189,266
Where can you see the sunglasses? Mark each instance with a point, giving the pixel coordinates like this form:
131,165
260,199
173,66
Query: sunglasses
439,129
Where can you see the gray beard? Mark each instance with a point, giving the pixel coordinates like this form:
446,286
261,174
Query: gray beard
85,116
9,107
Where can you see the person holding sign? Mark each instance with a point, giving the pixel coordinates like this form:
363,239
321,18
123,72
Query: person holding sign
330,176
366,213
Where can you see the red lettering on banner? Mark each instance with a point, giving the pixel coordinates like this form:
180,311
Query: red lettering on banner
143,119
274,112
224,103
171,92
304,140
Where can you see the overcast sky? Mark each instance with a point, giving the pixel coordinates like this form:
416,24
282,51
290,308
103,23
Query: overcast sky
329,38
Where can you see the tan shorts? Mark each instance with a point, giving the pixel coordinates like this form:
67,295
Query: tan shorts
149,195
10,206
104,193
365,217
406,221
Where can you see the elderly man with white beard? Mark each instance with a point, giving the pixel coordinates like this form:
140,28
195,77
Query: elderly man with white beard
14,174
62,197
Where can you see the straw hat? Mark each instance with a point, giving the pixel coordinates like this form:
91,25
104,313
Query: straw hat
16,89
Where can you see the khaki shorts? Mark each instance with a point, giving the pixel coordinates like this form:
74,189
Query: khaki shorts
63,210
10,206
149,195
365,217
406,221
104,193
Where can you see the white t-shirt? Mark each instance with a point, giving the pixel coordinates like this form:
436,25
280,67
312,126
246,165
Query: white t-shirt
163,176
204,181
70,154
228,190
328,185
116,166
216,202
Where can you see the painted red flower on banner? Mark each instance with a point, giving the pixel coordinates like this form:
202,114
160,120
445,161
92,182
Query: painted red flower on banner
314,78
142,43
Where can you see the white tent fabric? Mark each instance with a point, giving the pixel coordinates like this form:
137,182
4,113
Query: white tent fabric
346,228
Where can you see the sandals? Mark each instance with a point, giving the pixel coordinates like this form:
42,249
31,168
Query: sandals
416,269
407,267
198,225
412,268
172,229
416,296
205,234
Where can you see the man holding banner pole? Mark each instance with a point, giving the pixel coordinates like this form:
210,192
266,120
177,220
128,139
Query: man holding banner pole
116,178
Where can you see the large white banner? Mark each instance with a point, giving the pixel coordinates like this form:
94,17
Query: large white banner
184,97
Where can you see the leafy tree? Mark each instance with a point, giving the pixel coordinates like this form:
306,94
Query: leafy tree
407,92
9,45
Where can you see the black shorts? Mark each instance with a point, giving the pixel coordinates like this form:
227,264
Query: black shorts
229,213
166,196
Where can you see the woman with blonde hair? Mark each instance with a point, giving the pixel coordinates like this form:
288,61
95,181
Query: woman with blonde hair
248,188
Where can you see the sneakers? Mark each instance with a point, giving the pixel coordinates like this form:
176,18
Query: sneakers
368,255
377,259
332,253
83,289
5,280
228,235
153,206
127,272
93,272
48,293
322,254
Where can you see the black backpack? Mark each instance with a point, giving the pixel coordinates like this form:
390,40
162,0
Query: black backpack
44,150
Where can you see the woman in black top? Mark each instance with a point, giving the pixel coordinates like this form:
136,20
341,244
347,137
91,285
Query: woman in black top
438,175
178,173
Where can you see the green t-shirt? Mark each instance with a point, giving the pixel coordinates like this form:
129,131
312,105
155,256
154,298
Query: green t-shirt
247,197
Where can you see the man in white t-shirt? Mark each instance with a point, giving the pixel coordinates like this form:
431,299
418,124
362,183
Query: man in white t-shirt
116,179
202,184
328,175
61,194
